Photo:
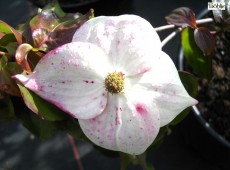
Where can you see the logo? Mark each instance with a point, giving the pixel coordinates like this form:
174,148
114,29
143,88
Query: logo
216,6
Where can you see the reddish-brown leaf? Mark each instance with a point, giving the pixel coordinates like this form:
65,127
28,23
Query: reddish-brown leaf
5,28
33,57
21,56
8,69
27,57
204,40
63,33
182,17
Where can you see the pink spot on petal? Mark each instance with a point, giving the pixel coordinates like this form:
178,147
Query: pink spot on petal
117,119
118,42
141,109
87,81
41,88
95,98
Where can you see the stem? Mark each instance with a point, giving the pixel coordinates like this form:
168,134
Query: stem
204,21
75,152
170,36
6,54
198,22
164,27
142,162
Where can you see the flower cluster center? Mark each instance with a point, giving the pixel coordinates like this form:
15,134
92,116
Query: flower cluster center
114,82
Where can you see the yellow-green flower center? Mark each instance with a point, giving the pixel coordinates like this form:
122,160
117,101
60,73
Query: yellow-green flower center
114,82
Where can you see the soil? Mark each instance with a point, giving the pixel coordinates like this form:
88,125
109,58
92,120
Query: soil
214,97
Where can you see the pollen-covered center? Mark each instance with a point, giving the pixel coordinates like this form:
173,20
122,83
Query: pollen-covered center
114,82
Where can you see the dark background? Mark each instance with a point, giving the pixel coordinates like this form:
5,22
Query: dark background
19,150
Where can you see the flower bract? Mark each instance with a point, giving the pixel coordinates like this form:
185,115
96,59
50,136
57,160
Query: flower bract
115,79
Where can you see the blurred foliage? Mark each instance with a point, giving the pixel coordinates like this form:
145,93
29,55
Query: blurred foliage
20,51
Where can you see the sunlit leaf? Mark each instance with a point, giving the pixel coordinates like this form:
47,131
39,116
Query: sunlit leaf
204,40
6,29
182,17
200,64
27,57
40,106
21,56
38,31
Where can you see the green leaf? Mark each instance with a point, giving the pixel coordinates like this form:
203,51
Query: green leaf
11,48
7,39
180,117
56,8
200,64
41,107
72,127
6,109
6,29
42,129
191,85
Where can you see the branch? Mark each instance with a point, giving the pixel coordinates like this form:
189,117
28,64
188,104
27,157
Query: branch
198,22
164,27
170,36
6,54
204,21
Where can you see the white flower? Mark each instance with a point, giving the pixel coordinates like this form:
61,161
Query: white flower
115,80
